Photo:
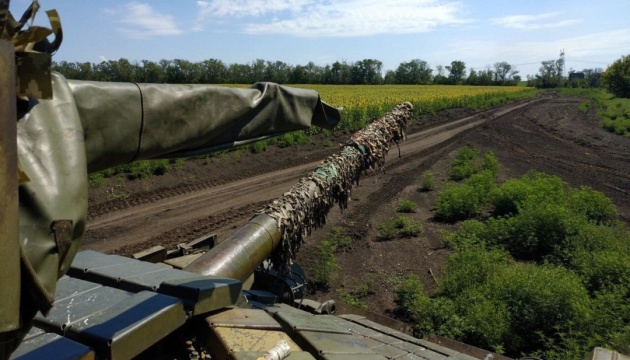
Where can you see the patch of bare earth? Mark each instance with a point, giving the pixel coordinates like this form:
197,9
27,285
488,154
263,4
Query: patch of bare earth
550,135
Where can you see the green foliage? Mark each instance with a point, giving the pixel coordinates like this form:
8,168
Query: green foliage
339,239
490,163
258,147
617,77
96,180
406,206
427,182
456,203
326,265
356,297
462,167
594,205
401,226
412,301
571,294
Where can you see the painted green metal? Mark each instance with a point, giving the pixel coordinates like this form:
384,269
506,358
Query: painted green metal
239,255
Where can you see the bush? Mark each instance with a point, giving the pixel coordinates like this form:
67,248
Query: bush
617,77
491,163
457,203
462,167
541,301
398,227
326,265
96,179
593,204
258,147
428,181
411,299
407,206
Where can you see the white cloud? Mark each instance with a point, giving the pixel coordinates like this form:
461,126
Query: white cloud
583,51
246,8
312,18
534,22
141,21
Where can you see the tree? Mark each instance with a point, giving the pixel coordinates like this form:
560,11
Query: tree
549,74
617,77
440,78
457,71
504,73
366,72
413,72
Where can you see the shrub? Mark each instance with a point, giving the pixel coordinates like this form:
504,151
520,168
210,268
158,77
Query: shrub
354,298
325,264
542,301
506,198
593,204
411,299
482,184
96,179
427,182
462,167
407,206
490,163
258,147
285,140
398,227
457,203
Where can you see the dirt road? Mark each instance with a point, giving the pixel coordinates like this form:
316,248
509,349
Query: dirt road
219,194
220,208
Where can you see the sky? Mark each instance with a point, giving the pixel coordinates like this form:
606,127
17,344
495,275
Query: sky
524,33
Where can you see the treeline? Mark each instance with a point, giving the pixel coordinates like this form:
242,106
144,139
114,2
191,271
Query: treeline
551,75
214,71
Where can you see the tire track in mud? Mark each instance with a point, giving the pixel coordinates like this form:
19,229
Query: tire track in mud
152,212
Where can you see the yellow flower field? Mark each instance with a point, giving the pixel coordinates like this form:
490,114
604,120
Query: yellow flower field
363,103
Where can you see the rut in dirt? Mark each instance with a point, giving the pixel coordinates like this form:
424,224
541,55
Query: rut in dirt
196,210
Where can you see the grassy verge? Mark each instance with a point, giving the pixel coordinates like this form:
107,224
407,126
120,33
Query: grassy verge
614,112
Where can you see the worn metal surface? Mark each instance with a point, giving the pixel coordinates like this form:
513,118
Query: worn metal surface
239,255
182,261
303,321
116,323
244,355
200,294
244,318
9,240
91,260
154,254
51,346
225,341
131,326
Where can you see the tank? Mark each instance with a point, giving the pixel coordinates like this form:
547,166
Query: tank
244,298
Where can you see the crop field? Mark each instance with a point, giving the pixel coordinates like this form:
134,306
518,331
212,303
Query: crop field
363,103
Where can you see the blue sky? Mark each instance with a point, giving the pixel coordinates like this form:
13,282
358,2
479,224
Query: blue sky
480,33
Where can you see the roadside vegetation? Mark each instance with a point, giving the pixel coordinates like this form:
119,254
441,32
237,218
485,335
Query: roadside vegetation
539,268
613,111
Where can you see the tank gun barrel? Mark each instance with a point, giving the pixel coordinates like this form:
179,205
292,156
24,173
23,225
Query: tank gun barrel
289,219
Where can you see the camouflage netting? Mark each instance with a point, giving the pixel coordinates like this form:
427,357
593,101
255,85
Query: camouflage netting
305,206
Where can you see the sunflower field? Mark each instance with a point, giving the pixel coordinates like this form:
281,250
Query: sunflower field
364,103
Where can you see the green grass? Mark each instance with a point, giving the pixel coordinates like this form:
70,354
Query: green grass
614,112
400,226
